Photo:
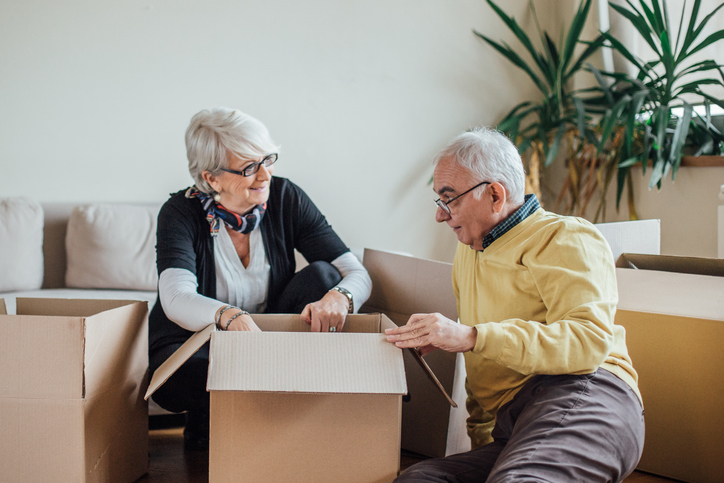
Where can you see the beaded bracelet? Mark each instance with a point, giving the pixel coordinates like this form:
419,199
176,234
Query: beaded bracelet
218,317
228,322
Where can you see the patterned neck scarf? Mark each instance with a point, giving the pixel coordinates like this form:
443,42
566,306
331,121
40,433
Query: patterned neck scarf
216,213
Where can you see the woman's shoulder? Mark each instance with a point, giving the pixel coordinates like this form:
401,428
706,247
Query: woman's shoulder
178,202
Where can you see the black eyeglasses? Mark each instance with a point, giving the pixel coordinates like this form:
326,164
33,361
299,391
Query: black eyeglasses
444,204
254,167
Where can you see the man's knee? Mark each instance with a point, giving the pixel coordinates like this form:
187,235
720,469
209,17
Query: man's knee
423,471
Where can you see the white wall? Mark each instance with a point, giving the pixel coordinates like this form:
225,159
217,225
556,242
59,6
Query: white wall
687,207
96,96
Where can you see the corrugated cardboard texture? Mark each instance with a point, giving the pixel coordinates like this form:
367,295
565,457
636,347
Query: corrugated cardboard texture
268,323
51,429
681,294
669,263
67,307
681,368
640,236
305,362
33,367
97,351
177,359
71,406
360,324
408,285
267,437
402,286
674,327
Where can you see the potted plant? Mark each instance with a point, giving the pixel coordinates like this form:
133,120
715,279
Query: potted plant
539,128
639,115
606,130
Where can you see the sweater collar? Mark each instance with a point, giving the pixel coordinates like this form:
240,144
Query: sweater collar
530,205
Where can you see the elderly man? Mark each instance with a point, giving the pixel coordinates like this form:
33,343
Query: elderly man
547,368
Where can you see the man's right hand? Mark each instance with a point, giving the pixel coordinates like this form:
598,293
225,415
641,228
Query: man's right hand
428,332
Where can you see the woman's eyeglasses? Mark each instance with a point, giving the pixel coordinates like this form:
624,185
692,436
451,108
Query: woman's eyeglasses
254,167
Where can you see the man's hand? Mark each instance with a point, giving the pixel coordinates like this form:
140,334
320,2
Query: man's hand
327,313
428,332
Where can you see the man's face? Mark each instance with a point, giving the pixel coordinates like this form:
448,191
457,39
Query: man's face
471,219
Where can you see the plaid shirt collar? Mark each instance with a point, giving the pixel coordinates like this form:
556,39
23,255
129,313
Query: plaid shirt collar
530,205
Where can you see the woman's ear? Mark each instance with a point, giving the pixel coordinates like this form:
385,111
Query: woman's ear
212,180
500,196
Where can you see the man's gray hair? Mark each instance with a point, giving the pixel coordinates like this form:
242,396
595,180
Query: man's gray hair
490,156
212,133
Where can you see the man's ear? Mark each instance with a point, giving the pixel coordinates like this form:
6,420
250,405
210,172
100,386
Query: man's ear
500,196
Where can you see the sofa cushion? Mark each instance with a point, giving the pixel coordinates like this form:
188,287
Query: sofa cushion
112,246
21,244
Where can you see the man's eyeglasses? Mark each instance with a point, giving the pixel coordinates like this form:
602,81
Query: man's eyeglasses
444,204
254,167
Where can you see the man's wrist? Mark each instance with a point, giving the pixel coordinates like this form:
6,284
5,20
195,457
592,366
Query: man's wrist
472,338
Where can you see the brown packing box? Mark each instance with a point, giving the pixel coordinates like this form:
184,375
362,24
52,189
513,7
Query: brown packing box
673,312
401,286
72,378
291,405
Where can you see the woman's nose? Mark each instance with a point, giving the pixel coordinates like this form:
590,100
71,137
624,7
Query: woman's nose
264,172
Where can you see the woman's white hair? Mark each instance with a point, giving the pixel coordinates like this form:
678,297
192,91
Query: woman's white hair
490,156
212,133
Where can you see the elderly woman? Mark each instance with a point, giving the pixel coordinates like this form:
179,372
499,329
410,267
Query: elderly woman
225,250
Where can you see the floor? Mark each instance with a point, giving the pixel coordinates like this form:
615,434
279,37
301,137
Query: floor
169,463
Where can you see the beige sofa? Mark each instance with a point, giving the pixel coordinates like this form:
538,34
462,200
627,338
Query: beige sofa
68,250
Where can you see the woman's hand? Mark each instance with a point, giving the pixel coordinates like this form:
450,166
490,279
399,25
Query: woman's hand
428,332
327,313
243,322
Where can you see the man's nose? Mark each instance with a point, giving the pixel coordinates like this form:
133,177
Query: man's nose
441,215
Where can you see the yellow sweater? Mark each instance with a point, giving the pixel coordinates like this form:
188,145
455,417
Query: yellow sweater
542,298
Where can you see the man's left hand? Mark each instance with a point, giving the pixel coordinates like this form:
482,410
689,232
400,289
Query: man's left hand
327,313
428,332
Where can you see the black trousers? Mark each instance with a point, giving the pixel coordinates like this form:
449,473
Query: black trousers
556,429
185,390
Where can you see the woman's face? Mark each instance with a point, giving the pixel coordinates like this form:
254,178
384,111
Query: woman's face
241,193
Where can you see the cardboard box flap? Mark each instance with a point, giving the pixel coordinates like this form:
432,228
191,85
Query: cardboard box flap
639,236
431,375
177,359
362,323
67,307
666,263
305,363
681,294
115,352
408,285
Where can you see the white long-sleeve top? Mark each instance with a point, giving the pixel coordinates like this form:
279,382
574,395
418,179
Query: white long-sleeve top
243,287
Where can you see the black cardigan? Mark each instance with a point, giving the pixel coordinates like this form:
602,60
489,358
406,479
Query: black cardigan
183,240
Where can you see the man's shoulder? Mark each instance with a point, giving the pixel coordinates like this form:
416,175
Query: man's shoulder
549,222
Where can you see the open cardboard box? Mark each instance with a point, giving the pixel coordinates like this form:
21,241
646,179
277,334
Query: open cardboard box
638,236
291,405
401,286
673,312
71,391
